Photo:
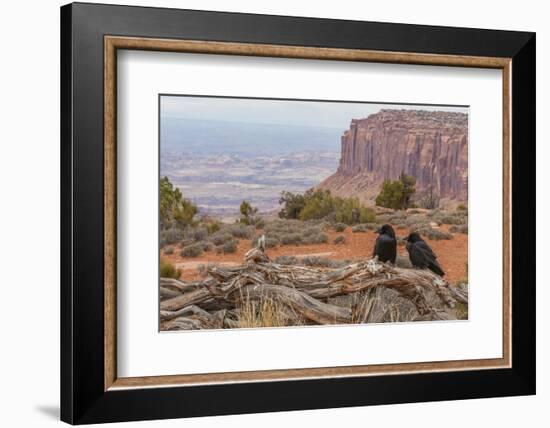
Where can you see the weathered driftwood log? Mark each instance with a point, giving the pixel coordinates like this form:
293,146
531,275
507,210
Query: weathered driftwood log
376,292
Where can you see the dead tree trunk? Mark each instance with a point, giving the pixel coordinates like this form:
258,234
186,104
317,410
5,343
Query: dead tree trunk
362,292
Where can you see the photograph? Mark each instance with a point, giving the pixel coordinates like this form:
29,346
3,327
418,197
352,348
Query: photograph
292,213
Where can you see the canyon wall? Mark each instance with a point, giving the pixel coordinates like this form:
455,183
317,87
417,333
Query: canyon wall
432,146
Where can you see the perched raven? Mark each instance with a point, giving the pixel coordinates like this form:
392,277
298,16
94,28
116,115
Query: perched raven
386,244
421,255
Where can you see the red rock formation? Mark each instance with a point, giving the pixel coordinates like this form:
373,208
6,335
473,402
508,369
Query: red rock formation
432,146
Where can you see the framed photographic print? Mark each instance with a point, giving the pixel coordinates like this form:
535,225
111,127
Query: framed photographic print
264,213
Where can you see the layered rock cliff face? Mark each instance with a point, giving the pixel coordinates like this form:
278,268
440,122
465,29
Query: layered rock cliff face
432,146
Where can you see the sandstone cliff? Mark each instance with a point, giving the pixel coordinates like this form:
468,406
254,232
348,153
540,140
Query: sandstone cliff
432,146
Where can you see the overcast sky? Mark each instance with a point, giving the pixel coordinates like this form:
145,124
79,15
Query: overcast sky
302,113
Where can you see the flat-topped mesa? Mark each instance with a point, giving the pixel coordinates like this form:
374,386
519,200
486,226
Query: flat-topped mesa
432,146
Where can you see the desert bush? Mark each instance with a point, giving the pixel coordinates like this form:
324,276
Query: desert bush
340,239
259,223
206,245
291,239
192,250
199,234
171,236
392,218
452,220
312,230
212,227
364,227
318,238
230,246
168,270
339,227
434,234
462,228
219,238
241,231
218,249
168,250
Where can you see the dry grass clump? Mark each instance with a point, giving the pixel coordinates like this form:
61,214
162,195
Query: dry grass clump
264,313
168,270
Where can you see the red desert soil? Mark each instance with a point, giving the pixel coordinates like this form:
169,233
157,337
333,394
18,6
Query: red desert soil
452,254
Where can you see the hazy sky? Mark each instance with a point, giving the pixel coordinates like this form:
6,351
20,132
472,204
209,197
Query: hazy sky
303,113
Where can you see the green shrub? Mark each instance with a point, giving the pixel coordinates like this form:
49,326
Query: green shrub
340,227
168,270
173,207
340,239
397,194
230,246
316,204
193,250
213,227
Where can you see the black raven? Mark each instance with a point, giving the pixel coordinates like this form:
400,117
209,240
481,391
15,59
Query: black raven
386,244
421,255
